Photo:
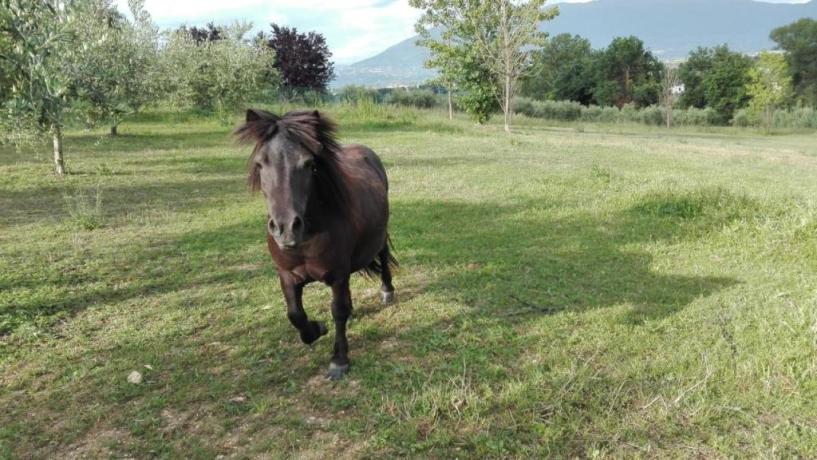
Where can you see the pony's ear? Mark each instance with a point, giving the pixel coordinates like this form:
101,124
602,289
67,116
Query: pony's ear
257,115
317,114
260,126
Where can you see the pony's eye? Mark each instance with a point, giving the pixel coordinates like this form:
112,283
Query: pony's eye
309,164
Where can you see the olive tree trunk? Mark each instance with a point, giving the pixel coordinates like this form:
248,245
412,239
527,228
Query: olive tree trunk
59,161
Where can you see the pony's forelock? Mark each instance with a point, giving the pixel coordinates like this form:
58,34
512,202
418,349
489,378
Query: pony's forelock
314,131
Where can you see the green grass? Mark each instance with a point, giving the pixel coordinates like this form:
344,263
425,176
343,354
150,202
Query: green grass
569,290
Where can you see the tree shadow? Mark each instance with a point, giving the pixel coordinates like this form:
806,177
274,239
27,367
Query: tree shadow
49,202
189,140
512,260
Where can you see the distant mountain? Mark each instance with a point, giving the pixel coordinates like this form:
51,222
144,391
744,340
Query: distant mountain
670,28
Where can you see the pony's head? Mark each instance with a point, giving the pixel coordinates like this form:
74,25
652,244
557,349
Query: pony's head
294,164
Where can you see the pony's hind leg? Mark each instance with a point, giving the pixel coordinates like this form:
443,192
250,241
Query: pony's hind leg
386,288
341,310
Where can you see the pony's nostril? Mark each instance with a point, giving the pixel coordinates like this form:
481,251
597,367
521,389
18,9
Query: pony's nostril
271,225
297,223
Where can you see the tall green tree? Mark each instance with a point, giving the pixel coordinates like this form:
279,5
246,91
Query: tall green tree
561,70
692,73
717,78
627,73
769,87
500,34
456,58
799,41
42,47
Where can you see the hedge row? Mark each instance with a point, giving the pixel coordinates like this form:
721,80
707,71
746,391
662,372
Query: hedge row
805,117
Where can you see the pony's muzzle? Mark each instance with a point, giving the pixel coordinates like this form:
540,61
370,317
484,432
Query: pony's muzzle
288,233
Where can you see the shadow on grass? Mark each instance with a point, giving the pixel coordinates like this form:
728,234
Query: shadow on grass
503,262
138,142
506,261
118,200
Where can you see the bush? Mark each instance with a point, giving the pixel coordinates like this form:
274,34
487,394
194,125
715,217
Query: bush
652,115
354,94
803,117
743,119
799,118
695,117
418,98
550,110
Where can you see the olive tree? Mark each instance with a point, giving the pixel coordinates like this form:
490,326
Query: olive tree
34,65
215,75
117,74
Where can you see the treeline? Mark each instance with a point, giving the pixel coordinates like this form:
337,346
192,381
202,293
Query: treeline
67,62
771,89
489,53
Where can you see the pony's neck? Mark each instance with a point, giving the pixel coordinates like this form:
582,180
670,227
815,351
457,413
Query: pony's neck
328,200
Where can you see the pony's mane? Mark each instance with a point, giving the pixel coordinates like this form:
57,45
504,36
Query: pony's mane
313,131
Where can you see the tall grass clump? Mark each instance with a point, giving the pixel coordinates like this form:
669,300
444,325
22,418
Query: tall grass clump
85,209
366,113
352,94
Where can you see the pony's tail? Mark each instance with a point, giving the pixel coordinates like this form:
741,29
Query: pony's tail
375,267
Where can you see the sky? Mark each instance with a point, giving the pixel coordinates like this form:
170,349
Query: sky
354,29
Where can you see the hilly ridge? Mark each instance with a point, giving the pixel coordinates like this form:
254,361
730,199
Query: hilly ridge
670,28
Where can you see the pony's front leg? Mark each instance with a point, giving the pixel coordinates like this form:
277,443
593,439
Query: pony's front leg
293,293
341,310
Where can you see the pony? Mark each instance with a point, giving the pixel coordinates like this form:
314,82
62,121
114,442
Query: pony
327,215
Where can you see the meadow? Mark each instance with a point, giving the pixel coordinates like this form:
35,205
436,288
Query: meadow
570,290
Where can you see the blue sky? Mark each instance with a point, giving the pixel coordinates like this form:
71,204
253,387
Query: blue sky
354,29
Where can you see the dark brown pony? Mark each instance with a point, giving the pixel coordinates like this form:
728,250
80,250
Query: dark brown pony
328,214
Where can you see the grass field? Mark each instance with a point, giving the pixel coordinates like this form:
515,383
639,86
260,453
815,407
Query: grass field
587,291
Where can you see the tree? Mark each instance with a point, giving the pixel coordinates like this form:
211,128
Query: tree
448,75
669,84
500,34
716,78
40,34
214,75
562,70
725,84
769,87
692,73
301,59
627,73
479,95
116,77
799,40
201,35
506,31
457,59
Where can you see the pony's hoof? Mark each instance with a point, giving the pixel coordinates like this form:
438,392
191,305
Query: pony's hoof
337,371
387,296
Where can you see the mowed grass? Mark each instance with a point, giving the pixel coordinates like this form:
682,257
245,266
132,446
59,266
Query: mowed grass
566,291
